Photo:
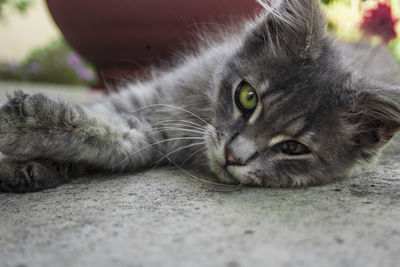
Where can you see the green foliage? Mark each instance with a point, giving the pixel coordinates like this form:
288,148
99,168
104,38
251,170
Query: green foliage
49,65
20,5
331,26
326,2
395,47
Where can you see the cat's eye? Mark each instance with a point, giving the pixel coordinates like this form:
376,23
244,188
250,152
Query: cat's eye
293,148
246,97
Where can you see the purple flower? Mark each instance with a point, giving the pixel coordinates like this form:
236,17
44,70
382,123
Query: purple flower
75,62
32,68
85,73
12,66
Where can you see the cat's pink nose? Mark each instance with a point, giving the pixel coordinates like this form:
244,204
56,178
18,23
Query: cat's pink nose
231,160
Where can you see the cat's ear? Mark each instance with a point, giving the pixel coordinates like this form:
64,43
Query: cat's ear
294,27
374,118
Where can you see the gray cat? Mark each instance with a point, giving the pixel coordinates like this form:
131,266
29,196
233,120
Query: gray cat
273,104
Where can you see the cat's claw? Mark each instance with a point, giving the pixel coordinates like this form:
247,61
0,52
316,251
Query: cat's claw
30,176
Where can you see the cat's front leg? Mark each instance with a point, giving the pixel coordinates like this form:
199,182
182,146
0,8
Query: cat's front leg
35,126
33,175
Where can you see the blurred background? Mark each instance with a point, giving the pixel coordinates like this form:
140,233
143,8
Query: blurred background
33,49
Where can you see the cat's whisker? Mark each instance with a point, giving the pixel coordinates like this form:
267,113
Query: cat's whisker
179,125
171,106
176,150
192,155
204,163
160,129
180,121
233,187
182,125
154,144
202,129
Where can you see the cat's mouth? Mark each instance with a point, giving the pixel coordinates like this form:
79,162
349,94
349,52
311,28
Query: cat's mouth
233,174
217,161
227,169
221,170
226,173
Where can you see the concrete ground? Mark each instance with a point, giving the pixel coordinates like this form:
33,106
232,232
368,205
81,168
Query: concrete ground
167,218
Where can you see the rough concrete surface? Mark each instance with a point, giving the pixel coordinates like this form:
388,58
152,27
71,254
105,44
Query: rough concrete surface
168,218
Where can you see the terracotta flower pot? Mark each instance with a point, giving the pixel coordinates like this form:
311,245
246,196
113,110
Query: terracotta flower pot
124,36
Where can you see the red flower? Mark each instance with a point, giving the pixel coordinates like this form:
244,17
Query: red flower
379,21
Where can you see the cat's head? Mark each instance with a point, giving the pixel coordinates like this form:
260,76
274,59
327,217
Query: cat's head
288,112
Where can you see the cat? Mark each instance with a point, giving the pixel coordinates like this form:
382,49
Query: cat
274,103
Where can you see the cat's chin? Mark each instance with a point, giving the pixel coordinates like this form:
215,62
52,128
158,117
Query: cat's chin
226,174
232,174
222,173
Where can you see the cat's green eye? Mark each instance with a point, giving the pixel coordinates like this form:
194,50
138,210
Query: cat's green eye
293,148
246,97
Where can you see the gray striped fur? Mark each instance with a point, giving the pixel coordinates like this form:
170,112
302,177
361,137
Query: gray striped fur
311,89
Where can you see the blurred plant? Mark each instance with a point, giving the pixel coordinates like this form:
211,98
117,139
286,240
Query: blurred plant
379,21
351,20
55,63
20,5
395,48
75,61
326,2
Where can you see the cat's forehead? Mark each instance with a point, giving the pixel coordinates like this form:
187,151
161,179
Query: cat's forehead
299,79
301,89
293,91
294,94
296,112
293,70
264,67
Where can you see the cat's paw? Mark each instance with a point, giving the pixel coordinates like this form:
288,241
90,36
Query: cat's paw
30,176
18,117
29,121
25,110
12,111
